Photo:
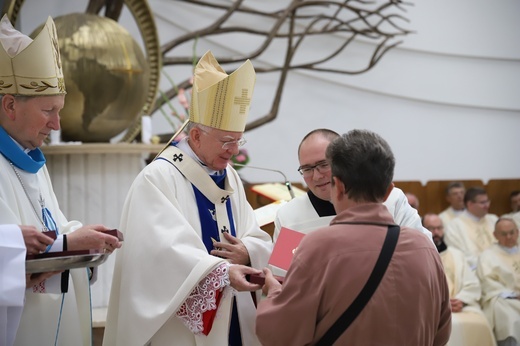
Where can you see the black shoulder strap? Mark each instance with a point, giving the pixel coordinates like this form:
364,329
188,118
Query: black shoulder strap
368,290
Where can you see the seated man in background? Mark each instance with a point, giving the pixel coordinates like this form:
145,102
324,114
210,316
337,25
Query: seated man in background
455,197
499,273
469,326
332,264
314,210
472,231
515,207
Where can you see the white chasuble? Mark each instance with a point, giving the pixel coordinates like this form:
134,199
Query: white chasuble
469,326
471,236
499,273
164,260
41,312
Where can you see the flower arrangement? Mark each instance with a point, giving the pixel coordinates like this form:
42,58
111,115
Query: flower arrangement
241,158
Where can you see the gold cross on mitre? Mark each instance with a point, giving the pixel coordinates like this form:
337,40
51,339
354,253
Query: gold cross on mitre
243,101
220,100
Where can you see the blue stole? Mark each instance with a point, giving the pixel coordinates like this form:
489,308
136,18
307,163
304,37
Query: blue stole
30,162
208,222
210,230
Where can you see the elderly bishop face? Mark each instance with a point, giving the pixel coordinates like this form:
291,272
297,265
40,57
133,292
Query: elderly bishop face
216,147
31,82
31,119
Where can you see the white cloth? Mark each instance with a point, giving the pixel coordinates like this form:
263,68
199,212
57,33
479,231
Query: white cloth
12,40
41,311
164,259
515,216
469,327
299,214
12,281
499,274
471,235
449,214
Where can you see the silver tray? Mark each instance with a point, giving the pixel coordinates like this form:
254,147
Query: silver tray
43,265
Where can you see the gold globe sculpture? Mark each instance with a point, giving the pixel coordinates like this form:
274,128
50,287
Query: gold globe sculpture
106,77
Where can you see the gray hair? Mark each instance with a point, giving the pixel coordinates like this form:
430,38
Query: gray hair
363,161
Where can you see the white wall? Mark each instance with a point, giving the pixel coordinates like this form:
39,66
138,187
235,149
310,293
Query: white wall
447,99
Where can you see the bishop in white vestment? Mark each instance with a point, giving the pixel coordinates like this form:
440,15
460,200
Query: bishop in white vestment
173,281
57,310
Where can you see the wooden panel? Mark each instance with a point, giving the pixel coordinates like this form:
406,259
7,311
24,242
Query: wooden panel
498,192
436,193
417,188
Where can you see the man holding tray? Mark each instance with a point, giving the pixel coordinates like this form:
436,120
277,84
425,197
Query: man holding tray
32,92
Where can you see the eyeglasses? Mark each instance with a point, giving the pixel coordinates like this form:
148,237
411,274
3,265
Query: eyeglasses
308,171
227,144
482,202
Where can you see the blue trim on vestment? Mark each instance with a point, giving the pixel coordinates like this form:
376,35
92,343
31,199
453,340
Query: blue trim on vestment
30,162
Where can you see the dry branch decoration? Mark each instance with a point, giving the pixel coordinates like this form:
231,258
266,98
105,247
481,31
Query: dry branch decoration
376,22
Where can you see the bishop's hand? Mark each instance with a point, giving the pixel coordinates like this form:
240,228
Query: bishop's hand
236,252
237,278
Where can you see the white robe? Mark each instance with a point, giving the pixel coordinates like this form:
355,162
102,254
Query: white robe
299,214
41,312
449,214
164,259
471,236
12,281
469,327
499,274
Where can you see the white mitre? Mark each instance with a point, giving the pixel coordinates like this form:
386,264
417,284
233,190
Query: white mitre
30,67
220,100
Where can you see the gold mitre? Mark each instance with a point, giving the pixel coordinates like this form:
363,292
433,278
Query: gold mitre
220,100
32,69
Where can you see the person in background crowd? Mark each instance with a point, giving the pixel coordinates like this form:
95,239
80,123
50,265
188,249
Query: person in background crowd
469,326
472,231
499,273
455,197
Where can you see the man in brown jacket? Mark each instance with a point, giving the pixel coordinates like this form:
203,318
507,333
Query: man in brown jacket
411,305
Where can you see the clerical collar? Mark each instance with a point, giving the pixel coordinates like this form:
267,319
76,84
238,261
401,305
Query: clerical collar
510,250
441,247
471,216
30,161
322,207
458,212
185,147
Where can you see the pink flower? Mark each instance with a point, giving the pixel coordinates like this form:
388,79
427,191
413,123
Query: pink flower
182,99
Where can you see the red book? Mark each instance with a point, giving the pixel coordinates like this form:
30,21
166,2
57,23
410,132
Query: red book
285,247
282,254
